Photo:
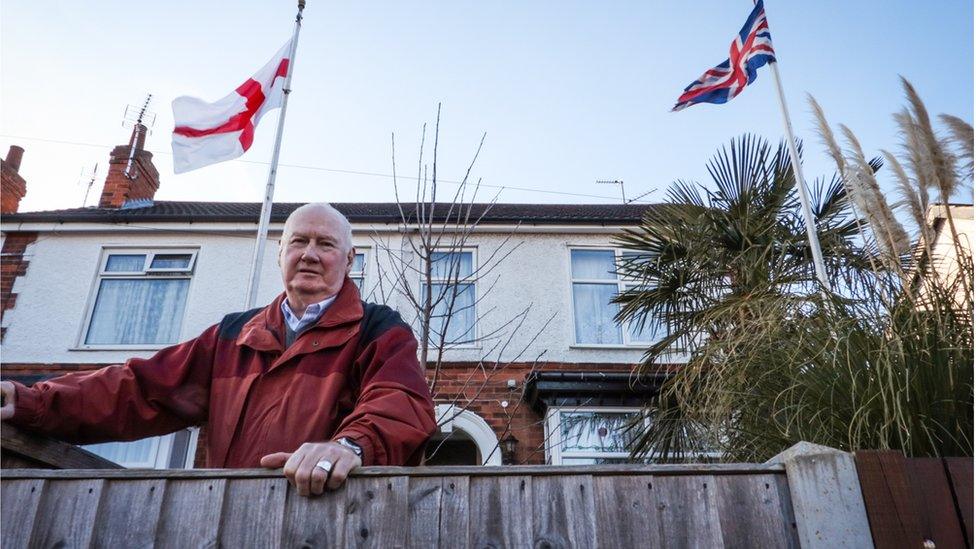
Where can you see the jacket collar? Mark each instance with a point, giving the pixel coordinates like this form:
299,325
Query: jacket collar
266,330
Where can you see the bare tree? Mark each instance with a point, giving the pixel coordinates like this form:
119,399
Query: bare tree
432,273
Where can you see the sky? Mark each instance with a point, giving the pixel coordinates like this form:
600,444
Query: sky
565,93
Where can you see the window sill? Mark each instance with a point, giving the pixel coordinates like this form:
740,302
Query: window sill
608,346
119,347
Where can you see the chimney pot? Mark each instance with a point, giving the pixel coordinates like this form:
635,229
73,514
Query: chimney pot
12,184
128,180
14,156
139,133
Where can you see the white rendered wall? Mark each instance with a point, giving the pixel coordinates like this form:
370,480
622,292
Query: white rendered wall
54,296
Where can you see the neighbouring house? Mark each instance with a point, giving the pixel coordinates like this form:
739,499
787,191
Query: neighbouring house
88,287
945,257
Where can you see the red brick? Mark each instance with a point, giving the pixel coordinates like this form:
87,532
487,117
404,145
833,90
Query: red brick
12,265
141,182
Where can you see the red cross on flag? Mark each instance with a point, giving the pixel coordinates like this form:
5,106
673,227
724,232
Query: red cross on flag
207,133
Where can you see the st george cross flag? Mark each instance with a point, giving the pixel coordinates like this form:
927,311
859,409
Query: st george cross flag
751,49
207,133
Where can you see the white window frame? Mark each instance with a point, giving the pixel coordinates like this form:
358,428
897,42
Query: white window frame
622,285
474,333
145,273
361,275
554,450
162,451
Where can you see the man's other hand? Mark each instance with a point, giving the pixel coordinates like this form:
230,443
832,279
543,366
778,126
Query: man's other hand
299,466
9,396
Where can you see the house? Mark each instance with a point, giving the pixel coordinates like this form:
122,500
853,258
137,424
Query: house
945,256
543,374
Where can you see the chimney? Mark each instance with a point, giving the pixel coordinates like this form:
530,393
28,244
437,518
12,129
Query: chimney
12,185
131,174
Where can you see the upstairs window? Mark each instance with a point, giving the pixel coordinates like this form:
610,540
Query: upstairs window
453,296
595,284
358,271
140,298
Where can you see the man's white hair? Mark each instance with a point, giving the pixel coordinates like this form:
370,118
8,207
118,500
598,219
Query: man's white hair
344,227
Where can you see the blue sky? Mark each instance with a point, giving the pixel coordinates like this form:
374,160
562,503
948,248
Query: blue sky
567,92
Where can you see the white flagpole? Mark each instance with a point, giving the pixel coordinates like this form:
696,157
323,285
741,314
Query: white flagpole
818,262
259,244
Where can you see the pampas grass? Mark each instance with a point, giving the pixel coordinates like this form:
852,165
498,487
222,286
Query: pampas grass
827,137
962,134
886,362
887,230
938,160
914,200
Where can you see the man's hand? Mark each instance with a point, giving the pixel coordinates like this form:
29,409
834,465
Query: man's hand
9,397
299,466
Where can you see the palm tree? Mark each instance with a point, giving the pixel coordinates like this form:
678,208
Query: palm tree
707,252
770,358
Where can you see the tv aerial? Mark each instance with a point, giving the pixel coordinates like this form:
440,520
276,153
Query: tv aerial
614,182
141,119
88,184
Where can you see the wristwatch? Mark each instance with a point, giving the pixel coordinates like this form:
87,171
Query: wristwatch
357,449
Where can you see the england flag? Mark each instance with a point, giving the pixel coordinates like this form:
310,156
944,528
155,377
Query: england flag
207,133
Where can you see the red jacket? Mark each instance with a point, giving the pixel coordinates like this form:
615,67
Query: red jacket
353,374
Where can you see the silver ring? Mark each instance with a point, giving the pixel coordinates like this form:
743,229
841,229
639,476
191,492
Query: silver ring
325,465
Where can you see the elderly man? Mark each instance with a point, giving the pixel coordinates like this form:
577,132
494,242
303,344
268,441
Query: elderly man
318,382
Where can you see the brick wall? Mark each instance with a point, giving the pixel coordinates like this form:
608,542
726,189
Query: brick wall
13,264
483,390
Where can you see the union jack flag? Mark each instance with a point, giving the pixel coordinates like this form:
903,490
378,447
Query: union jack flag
751,49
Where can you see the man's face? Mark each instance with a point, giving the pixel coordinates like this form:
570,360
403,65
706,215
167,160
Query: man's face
313,256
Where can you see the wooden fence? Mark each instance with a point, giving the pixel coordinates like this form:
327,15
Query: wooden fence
917,502
809,496
580,506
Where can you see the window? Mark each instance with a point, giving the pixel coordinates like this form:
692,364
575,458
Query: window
358,271
140,298
595,283
175,451
591,435
453,296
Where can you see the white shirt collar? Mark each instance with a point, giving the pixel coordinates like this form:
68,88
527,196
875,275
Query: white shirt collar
312,314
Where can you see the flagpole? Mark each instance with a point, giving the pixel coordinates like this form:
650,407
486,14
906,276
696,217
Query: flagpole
818,261
257,260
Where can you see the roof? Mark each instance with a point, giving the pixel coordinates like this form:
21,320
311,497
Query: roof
357,212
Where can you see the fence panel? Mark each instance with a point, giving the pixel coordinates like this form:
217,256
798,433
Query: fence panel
622,506
911,501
